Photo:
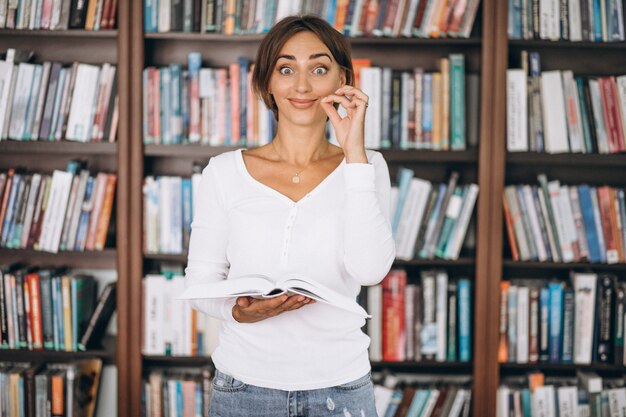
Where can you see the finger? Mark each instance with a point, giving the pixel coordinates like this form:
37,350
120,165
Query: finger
243,301
352,91
334,98
293,300
332,113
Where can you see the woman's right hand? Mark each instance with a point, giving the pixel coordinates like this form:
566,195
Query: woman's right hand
251,310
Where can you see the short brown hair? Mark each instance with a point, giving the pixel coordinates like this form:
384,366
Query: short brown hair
276,38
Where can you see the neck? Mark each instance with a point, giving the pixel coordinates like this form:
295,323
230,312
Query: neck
300,145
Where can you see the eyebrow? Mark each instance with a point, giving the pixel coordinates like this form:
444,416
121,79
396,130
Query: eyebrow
312,56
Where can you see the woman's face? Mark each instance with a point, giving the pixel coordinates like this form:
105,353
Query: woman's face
304,73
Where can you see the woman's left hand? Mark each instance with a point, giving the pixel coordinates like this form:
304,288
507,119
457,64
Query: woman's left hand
350,129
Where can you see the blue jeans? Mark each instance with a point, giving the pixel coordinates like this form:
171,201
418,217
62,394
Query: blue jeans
232,398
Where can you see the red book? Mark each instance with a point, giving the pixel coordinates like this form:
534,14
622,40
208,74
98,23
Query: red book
35,310
393,316
605,202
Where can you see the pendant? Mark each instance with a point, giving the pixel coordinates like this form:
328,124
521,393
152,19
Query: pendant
295,179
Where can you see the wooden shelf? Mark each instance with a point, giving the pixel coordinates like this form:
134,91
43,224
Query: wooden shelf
560,367
391,155
71,33
105,259
163,257
566,44
508,263
58,148
107,354
566,159
373,41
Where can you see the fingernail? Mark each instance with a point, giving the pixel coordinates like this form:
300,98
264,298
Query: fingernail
300,298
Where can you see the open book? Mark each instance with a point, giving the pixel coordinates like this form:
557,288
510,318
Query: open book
261,286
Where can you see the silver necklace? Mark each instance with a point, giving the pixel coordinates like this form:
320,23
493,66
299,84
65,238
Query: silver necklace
296,178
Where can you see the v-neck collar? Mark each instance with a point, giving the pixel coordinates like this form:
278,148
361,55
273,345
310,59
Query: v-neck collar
242,166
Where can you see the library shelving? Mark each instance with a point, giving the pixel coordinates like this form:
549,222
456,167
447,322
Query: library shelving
91,47
509,168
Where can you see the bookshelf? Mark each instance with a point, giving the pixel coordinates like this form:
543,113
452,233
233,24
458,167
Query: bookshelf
586,59
93,47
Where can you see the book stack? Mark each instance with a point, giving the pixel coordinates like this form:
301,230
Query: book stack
51,102
68,210
58,15
557,112
46,309
168,212
423,398
559,223
430,220
567,20
586,395
580,321
407,18
171,326
177,393
431,320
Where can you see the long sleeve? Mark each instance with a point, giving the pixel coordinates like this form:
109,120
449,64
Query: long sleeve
207,245
369,245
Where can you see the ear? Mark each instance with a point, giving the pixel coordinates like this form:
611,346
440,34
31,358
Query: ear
342,77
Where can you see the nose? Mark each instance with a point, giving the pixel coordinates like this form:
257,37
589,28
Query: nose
303,84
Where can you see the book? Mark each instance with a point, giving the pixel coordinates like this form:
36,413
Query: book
263,287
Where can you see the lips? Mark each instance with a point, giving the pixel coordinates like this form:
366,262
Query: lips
301,103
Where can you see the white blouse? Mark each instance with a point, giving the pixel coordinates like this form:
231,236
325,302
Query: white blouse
338,234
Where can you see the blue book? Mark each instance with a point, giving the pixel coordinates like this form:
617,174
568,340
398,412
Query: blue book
394,403
10,209
433,218
176,118
465,319
187,211
555,341
584,195
83,221
329,13
405,176
418,403
179,397
598,222
427,110
526,404
18,185
597,20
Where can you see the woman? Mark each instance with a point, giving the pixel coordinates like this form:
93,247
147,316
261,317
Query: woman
297,205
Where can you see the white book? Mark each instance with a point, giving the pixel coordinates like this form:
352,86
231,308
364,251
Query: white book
575,25
549,14
554,189
567,215
409,321
516,111
534,223
21,97
428,336
418,196
6,77
371,83
151,214
81,112
430,403
154,289
180,318
43,87
375,325
502,401
262,287
46,223
453,248
568,401
64,180
165,17
441,315
553,105
589,381
33,104
76,209
382,398
621,98
457,405
573,114
584,285
356,18
617,402
175,233
522,325
543,402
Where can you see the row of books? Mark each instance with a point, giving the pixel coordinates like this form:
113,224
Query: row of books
176,393
568,20
68,210
422,398
586,395
216,106
430,220
171,326
58,15
52,102
581,321
556,112
431,320
57,389
407,18
168,212
560,223
46,309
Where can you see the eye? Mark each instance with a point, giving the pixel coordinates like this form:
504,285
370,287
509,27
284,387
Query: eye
285,70
320,70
